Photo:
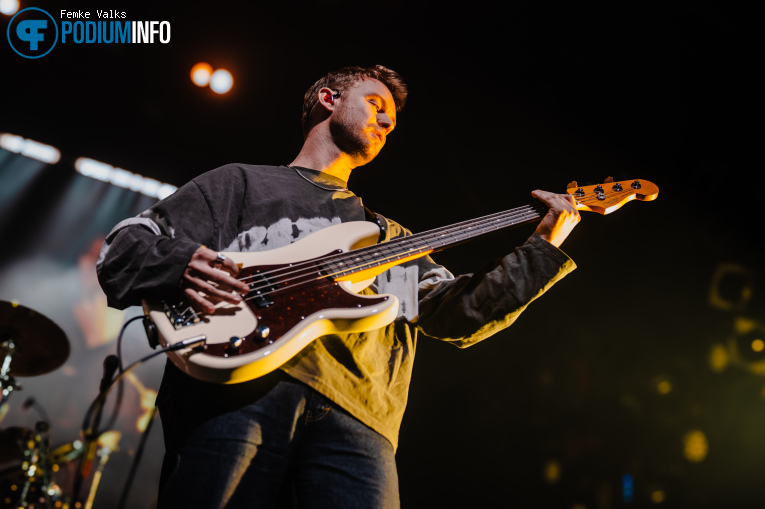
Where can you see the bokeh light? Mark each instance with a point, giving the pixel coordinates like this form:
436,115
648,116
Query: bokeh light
201,73
664,386
695,446
9,7
221,81
658,496
552,471
719,357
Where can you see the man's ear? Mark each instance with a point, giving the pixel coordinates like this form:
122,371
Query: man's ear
327,99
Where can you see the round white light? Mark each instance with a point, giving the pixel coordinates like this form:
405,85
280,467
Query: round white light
200,74
9,7
221,81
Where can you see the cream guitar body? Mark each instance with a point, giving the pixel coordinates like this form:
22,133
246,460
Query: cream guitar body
251,339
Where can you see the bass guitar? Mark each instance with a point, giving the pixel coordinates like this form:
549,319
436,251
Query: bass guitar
309,288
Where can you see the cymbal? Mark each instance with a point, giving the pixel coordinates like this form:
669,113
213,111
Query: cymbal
40,345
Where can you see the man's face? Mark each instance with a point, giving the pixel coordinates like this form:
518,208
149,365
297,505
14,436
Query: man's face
363,118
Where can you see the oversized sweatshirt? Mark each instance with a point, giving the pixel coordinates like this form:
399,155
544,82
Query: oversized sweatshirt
247,208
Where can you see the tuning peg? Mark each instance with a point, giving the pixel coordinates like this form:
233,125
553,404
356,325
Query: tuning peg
608,180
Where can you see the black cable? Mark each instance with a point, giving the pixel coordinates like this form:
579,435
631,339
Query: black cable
101,398
121,388
90,430
91,422
136,460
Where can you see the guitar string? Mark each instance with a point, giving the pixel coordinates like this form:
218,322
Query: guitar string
412,239
309,267
608,194
315,277
478,223
415,237
311,264
418,246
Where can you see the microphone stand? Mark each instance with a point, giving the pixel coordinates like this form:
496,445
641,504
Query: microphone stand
91,434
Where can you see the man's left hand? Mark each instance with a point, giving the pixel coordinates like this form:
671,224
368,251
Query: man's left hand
560,219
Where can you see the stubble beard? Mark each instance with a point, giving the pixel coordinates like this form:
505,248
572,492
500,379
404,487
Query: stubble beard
350,139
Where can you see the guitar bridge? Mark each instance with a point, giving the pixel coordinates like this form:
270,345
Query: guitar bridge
261,287
181,314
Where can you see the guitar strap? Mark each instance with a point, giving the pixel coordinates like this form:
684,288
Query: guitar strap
379,220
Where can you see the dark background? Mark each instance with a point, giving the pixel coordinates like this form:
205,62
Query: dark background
503,100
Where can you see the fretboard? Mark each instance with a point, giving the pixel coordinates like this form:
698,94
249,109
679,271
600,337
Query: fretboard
420,244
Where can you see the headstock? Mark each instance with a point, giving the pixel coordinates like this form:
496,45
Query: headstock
607,197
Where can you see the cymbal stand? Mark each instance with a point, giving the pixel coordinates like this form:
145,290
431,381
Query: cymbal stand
37,470
7,382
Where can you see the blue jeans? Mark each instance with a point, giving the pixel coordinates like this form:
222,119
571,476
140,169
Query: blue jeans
270,443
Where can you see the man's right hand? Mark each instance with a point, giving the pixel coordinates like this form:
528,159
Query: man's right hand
208,281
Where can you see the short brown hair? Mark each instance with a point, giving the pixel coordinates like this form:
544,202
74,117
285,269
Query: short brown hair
345,78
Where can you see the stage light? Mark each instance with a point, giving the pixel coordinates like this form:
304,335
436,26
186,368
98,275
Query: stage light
658,496
30,148
93,169
200,74
719,357
221,81
662,384
695,446
628,488
123,178
746,345
552,471
9,7
110,440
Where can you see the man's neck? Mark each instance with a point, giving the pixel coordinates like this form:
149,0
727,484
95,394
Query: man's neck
324,157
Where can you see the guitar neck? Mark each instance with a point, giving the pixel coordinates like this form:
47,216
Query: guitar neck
370,261
375,259
452,235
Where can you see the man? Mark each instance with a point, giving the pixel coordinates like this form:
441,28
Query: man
322,430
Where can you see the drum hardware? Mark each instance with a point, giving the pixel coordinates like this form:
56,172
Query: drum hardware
30,345
7,382
26,478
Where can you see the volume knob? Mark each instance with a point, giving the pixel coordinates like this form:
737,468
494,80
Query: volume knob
234,343
262,331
